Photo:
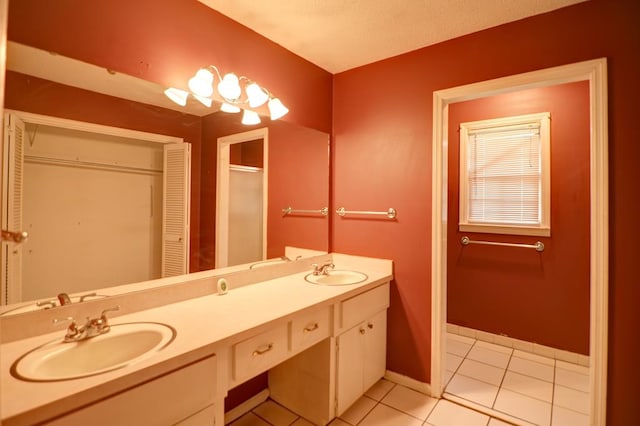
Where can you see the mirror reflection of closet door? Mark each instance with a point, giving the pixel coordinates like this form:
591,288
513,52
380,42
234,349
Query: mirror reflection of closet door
12,179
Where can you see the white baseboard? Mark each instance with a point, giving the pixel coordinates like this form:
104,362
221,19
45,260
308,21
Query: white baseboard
246,406
408,382
510,342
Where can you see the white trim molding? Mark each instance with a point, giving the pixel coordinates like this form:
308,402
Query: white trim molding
595,72
408,382
222,191
83,126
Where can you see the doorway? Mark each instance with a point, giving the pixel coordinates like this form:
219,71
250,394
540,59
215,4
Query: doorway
241,200
595,73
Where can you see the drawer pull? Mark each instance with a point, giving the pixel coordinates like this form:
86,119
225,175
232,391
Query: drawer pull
310,328
263,351
362,331
370,325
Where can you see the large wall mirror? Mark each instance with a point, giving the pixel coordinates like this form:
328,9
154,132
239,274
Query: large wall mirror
82,185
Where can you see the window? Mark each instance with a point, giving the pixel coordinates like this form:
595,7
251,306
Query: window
504,175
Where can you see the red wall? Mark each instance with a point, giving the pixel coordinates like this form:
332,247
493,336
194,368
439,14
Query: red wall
298,177
382,140
535,297
250,153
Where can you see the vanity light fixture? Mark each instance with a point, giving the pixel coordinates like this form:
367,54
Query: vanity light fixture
176,95
229,108
250,117
237,93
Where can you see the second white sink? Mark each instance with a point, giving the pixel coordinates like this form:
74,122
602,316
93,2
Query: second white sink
121,346
337,277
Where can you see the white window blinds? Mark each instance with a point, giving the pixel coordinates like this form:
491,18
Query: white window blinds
504,174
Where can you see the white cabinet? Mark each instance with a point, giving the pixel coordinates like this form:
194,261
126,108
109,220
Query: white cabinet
322,381
361,359
184,396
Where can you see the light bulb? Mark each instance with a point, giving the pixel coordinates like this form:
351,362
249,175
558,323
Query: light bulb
250,117
225,107
176,95
201,84
277,109
204,101
256,94
229,87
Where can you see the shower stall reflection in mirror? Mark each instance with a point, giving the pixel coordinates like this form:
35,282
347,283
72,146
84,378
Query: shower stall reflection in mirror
595,72
241,198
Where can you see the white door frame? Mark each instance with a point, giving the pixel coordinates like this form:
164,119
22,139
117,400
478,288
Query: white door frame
595,72
222,191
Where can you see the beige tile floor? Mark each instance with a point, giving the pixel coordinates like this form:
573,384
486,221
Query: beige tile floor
385,404
494,380
531,388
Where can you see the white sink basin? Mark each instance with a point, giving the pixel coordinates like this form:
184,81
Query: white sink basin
268,262
121,346
337,277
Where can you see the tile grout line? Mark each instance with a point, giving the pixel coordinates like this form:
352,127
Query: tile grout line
553,392
506,368
511,354
363,417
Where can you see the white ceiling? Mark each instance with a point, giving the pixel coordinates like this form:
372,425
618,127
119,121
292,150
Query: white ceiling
338,35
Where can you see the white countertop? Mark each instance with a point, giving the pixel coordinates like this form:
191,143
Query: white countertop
204,325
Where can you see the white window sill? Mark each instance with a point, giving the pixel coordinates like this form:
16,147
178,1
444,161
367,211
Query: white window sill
540,231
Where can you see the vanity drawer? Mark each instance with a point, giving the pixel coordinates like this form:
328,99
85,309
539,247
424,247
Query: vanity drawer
261,352
309,328
364,305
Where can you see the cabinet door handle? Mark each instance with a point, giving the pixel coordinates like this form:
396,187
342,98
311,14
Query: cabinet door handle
362,331
263,351
310,328
370,325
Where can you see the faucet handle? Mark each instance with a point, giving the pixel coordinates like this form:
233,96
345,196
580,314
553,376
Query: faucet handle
103,315
84,296
72,330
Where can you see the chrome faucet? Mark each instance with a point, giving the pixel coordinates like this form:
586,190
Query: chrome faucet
322,269
93,327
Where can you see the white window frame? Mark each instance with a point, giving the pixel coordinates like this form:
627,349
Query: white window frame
543,228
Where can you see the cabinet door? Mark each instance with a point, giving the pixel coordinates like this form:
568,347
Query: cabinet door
375,349
163,401
350,368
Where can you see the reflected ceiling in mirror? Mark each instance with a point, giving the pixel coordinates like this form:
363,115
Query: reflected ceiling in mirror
71,72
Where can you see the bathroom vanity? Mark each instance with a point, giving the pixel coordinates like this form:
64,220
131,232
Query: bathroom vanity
323,345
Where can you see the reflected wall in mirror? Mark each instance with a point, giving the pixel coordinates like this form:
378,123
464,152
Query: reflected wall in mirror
291,181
